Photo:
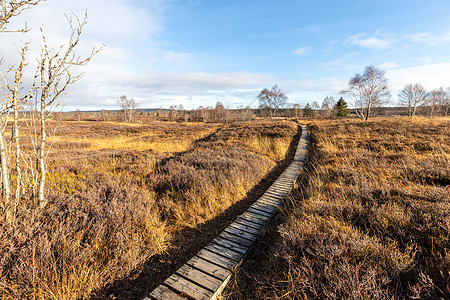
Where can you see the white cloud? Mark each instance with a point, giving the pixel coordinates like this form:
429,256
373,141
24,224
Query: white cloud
429,38
373,42
431,76
302,51
388,65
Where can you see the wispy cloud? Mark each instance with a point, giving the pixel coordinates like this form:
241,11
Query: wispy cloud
388,65
430,75
302,51
371,42
429,38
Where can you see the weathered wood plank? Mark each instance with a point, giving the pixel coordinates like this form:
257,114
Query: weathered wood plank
257,216
230,244
271,201
253,220
218,249
276,193
264,207
217,259
260,212
246,228
267,201
162,292
199,277
187,287
245,221
208,267
235,239
241,233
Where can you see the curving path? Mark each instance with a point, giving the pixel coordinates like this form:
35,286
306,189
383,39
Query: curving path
206,274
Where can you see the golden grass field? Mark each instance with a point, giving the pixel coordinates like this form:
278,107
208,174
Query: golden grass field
120,194
370,218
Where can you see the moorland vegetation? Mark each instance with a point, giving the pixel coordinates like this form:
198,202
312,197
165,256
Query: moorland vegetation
370,218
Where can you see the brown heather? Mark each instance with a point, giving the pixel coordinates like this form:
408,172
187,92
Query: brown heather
119,194
370,219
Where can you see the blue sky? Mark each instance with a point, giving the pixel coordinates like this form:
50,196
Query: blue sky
196,53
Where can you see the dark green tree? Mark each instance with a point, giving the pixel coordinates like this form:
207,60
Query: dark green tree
308,112
342,110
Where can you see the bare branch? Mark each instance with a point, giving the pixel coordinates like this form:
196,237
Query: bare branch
13,8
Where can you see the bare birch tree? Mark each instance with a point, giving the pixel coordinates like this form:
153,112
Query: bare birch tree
56,74
412,96
12,101
327,105
438,101
369,90
128,106
272,100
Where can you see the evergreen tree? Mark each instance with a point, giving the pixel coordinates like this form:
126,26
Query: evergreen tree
308,112
342,109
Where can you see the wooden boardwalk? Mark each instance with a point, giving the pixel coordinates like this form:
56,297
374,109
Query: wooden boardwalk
206,274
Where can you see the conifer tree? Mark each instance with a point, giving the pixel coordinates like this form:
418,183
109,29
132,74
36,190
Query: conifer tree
342,109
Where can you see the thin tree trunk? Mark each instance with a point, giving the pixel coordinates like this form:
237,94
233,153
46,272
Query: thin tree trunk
17,144
42,166
414,111
5,174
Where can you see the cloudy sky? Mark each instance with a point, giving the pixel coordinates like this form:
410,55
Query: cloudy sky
198,52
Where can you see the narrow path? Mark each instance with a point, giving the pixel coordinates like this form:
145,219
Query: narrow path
206,274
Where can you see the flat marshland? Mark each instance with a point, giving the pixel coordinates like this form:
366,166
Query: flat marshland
370,218
121,195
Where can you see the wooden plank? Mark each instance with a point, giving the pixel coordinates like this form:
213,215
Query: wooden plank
241,233
264,207
208,267
253,220
276,193
273,193
217,259
187,287
272,203
230,244
162,292
260,212
221,250
267,205
235,239
246,228
246,222
199,277
281,186
257,216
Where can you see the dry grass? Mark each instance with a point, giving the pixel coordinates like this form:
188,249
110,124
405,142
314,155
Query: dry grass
116,202
371,220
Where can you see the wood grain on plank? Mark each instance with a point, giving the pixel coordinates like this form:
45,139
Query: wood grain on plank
221,250
217,259
199,277
246,228
230,245
187,287
163,292
247,222
236,239
208,267
241,233
260,212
